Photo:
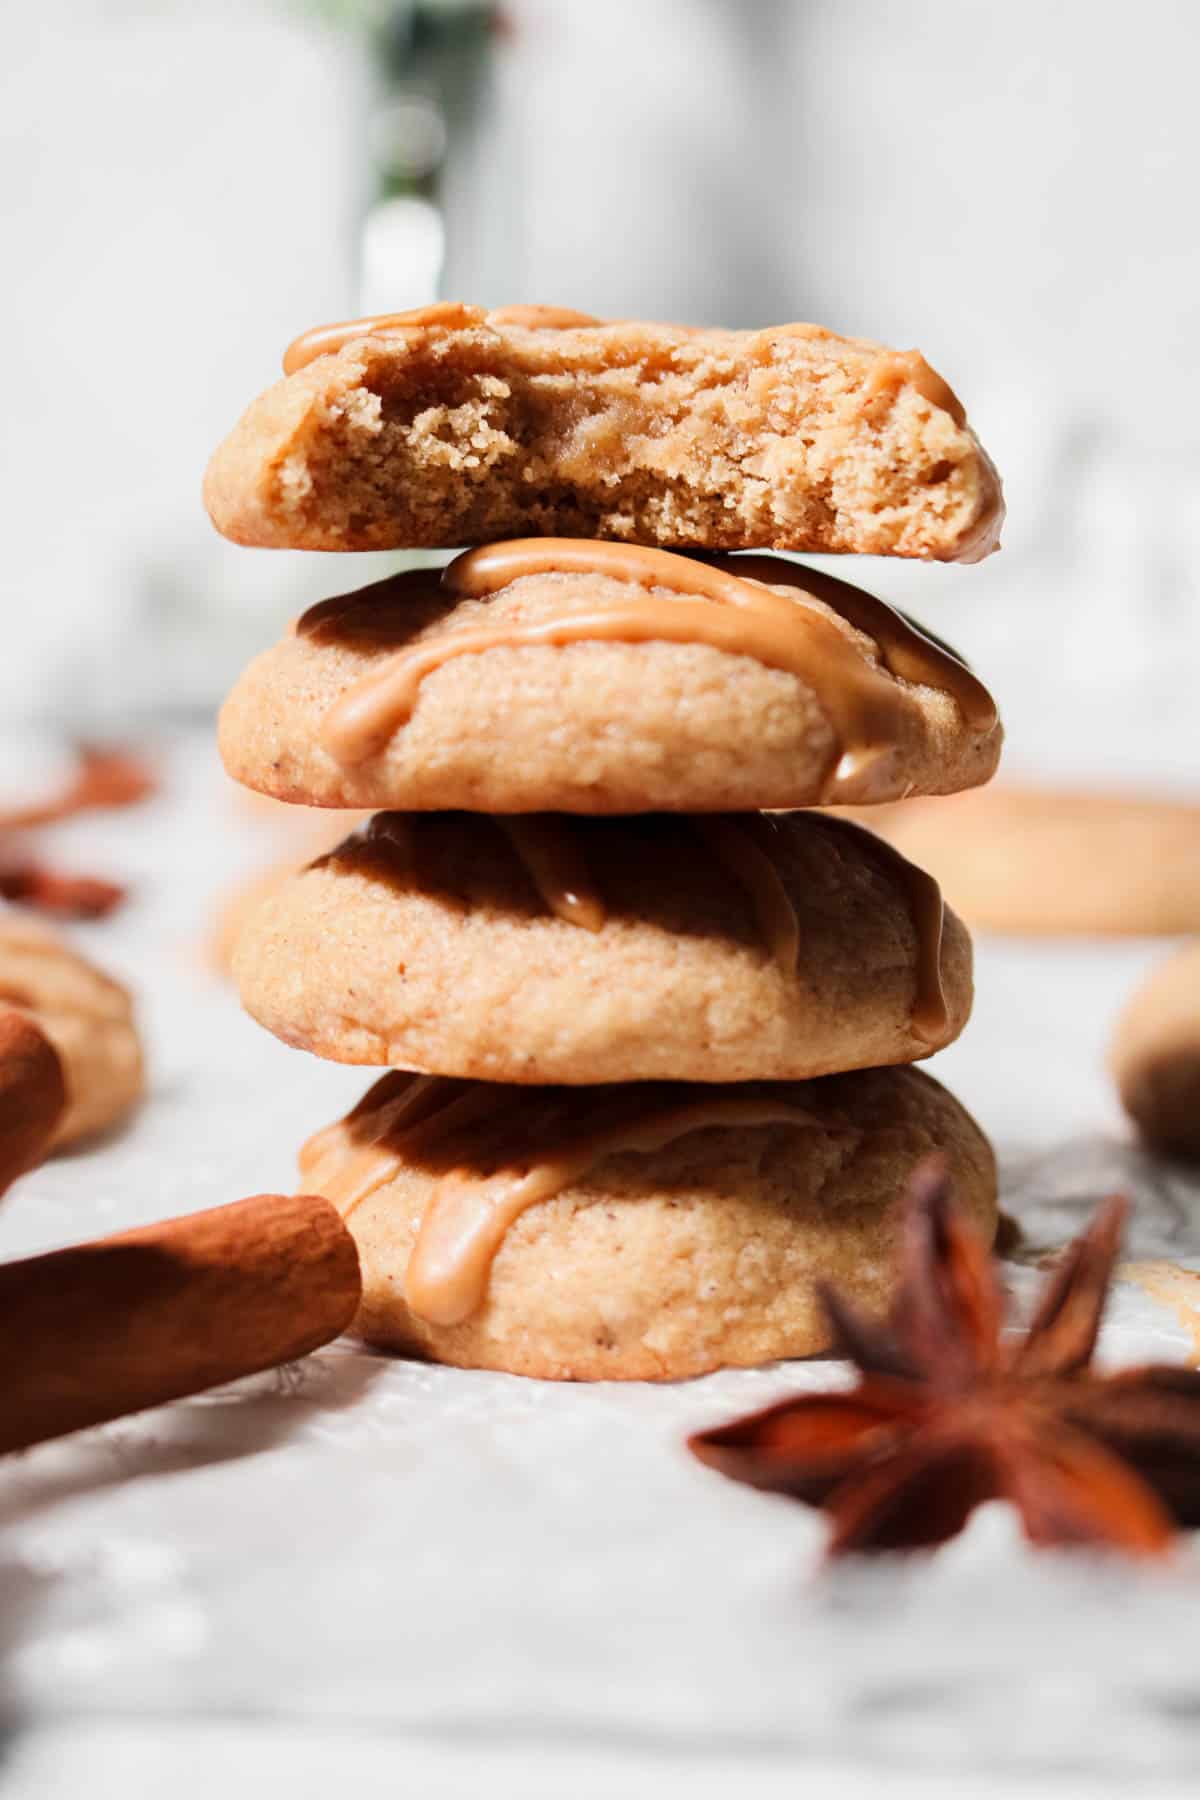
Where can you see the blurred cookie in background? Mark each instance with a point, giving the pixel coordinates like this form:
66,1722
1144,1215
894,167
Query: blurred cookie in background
88,1018
1055,862
1155,1056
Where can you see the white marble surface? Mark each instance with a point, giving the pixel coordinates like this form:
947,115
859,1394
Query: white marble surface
368,1566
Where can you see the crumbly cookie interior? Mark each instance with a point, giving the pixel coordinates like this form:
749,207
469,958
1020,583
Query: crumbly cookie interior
472,436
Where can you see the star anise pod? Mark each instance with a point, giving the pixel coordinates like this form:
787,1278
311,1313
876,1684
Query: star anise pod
948,1412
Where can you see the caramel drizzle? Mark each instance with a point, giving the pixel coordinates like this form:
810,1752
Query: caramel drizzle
906,650
473,1207
556,866
542,318
547,849
866,704
929,1016
544,846
397,1104
898,368
541,842
445,315
327,340
733,844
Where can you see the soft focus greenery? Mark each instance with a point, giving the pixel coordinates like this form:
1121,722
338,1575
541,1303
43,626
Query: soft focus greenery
370,15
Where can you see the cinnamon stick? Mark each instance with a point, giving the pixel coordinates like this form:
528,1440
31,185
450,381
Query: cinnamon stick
32,1094
44,889
127,1322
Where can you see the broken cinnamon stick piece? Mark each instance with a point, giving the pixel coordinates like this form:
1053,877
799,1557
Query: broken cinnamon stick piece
127,1322
104,778
36,885
33,1094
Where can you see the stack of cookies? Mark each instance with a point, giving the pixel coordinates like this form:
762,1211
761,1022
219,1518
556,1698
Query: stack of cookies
650,1025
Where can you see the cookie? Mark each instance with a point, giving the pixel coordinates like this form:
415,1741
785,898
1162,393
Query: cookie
1050,861
632,1233
558,674
312,835
87,1016
1155,1056
451,425
238,905
558,949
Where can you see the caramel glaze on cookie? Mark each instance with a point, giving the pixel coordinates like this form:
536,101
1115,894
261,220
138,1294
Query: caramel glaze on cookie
495,1168
652,1231
552,858
327,340
559,949
729,604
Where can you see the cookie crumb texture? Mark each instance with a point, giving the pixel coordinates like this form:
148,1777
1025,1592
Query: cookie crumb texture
789,438
701,1255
